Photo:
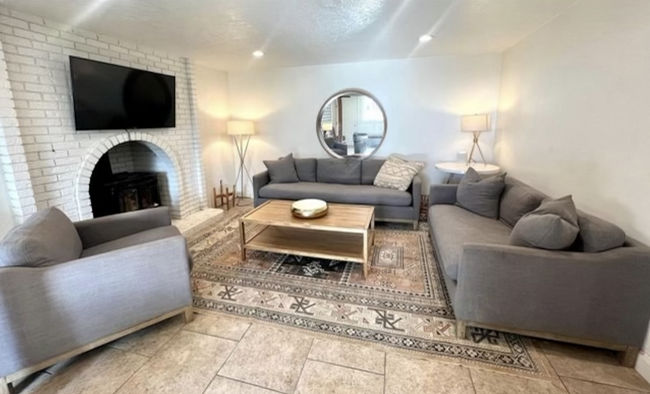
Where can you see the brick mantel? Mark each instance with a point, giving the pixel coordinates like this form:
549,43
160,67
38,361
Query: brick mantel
44,160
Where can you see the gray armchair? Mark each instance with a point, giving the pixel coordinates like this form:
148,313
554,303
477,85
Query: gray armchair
66,288
337,147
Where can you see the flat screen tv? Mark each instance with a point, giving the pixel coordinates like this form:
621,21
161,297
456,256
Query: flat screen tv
110,97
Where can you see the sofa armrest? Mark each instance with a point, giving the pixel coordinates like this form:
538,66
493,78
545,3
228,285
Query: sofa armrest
442,194
339,145
416,192
108,228
260,180
45,312
600,296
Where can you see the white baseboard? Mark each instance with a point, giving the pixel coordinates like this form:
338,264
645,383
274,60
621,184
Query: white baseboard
643,365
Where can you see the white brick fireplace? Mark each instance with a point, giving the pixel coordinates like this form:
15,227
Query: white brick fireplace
44,160
161,158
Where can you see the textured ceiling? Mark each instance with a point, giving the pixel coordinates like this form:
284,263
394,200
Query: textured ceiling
223,33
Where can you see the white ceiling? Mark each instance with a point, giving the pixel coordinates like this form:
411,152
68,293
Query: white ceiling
223,33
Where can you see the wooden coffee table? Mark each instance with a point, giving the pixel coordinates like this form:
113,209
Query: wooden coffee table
346,233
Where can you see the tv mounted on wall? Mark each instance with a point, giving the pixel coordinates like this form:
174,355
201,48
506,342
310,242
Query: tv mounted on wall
110,97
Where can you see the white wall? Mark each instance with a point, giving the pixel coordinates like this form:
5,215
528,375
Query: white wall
6,214
573,113
218,159
423,99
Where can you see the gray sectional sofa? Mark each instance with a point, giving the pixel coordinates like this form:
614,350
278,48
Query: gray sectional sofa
600,299
66,288
346,181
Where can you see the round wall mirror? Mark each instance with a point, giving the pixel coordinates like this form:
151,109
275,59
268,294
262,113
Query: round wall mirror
352,124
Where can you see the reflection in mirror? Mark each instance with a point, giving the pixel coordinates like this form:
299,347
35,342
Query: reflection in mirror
351,123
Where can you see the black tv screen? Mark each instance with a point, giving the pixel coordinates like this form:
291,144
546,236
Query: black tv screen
109,97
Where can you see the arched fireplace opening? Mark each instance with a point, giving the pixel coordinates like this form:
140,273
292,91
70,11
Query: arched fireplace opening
129,177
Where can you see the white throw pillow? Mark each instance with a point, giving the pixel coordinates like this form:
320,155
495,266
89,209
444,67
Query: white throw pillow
397,173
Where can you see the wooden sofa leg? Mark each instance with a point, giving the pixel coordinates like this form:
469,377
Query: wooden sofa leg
627,357
5,387
415,224
188,315
461,328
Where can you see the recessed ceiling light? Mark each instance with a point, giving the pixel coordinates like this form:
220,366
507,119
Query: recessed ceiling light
258,54
425,38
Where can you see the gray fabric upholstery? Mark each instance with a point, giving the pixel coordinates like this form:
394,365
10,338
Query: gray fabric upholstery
259,181
370,169
389,204
132,240
306,169
553,225
599,297
343,171
442,194
597,235
386,212
389,212
337,147
450,283
453,226
108,228
479,195
596,296
282,170
48,311
336,193
416,191
45,238
517,200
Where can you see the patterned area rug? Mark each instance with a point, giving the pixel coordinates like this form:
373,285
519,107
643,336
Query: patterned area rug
402,304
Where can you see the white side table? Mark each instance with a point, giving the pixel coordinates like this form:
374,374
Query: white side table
454,168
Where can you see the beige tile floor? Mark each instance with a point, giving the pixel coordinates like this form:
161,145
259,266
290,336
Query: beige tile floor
218,354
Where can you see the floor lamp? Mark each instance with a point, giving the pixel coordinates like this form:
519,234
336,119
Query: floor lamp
241,131
474,124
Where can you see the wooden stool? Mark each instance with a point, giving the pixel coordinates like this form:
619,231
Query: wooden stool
226,198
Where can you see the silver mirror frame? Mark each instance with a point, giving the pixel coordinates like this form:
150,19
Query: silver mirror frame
333,97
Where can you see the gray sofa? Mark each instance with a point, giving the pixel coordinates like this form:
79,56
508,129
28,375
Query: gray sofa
597,299
345,181
66,288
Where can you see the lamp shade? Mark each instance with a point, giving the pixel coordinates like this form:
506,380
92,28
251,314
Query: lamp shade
326,126
472,123
241,127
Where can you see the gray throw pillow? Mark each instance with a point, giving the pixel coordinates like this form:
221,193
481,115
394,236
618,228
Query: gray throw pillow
597,235
554,226
479,195
517,200
47,237
282,170
306,169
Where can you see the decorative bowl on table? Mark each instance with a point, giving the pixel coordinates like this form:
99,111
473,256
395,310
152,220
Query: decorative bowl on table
310,208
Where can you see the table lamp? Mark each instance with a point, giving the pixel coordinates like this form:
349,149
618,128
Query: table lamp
327,128
474,124
241,131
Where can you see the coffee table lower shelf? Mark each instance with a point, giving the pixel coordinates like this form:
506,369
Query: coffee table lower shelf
311,243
